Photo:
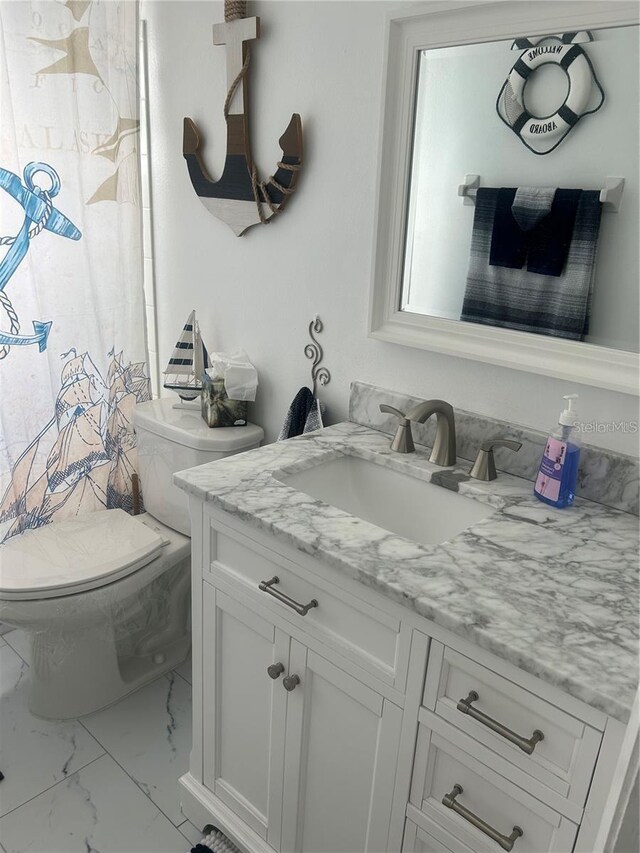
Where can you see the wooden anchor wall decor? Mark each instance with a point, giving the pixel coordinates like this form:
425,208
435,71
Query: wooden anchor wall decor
239,198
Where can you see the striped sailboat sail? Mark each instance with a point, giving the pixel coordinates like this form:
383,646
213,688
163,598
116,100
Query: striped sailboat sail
188,362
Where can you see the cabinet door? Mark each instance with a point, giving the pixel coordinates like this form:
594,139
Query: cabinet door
244,711
341,751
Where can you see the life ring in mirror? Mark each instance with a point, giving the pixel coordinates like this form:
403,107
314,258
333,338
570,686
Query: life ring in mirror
542,134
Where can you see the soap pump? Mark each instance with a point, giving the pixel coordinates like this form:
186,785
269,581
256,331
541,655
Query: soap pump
558,472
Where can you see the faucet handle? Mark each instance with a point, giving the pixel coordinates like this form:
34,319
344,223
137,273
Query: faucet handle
484,468
490,443
391,410
403,440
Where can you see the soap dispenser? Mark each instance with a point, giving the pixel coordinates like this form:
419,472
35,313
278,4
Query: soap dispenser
558,472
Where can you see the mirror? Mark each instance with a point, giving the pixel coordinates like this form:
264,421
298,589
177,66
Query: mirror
457,130
448,275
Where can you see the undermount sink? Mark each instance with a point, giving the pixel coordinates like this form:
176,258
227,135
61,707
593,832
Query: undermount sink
395,501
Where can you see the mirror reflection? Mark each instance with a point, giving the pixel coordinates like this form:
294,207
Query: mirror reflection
534,243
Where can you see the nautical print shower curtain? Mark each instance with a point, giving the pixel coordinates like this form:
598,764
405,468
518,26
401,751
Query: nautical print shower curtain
72,333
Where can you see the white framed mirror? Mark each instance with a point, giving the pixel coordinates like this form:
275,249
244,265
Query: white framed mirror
446,63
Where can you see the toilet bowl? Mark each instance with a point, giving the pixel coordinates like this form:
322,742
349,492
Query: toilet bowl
105,597
92,592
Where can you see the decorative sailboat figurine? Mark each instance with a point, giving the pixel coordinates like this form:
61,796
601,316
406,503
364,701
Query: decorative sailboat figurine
187,363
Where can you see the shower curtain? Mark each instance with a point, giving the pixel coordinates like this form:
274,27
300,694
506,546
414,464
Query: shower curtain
72,324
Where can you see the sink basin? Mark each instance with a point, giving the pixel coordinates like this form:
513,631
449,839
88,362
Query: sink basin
395,501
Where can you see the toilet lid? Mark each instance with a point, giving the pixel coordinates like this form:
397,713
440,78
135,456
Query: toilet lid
67,556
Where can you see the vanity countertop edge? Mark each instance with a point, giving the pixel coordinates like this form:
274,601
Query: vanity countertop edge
552,591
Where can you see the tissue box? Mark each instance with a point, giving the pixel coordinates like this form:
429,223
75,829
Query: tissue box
217,409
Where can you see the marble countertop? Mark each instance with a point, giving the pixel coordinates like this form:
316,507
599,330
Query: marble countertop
554,592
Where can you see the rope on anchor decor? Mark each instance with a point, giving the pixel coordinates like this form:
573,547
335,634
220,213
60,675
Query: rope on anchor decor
314,351
234,9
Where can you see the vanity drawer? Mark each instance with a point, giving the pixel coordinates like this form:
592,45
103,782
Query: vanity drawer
433,839
440,765
563,760
370,637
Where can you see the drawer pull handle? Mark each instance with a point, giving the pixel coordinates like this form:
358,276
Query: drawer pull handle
505,841
268,587
275,670
526,744
291,682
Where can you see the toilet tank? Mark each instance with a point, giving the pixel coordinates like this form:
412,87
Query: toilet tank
171,440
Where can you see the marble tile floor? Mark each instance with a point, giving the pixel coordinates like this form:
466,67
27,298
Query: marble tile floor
103,784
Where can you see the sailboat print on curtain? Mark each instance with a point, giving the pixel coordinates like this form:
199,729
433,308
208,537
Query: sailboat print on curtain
89,445
188,362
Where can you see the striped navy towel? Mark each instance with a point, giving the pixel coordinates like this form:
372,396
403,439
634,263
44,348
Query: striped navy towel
529,301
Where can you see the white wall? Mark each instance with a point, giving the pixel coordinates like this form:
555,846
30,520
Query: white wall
459,132
323,60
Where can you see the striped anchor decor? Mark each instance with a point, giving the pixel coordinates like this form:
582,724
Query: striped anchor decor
239,197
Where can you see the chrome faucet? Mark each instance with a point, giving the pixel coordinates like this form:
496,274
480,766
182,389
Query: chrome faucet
444,447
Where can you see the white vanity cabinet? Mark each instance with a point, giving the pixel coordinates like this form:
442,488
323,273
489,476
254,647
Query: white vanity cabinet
287,733
337,726
298,717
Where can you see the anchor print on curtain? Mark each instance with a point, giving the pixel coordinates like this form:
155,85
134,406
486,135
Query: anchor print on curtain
72,336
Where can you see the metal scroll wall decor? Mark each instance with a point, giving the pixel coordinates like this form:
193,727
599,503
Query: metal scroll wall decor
543,135
239,197
313,351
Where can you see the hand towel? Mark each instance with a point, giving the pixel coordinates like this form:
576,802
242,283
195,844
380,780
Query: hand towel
533,225
531,204
303,416
314,418
527,300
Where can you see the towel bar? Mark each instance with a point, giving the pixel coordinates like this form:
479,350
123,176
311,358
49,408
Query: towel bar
610,194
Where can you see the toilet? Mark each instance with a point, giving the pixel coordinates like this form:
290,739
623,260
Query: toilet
105,597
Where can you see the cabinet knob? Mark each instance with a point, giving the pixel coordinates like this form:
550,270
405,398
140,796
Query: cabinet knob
291,682
275,670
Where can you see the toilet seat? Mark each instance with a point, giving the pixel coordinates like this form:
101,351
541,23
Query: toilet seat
68,557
